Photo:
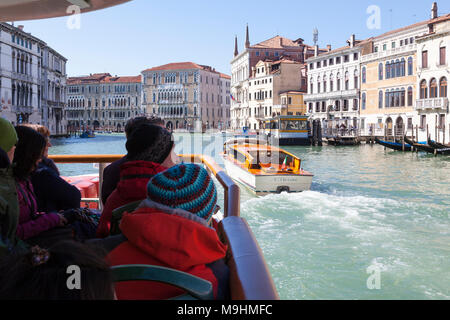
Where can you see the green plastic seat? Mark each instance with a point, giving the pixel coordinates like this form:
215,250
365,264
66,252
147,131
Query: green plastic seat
117,216
196,288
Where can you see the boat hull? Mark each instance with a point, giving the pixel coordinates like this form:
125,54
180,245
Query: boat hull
265,184
393,145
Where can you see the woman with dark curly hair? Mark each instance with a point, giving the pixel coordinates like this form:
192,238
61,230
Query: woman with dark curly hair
28,154
53,193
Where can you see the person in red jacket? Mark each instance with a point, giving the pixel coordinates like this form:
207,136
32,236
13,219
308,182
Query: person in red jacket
150,151
172,228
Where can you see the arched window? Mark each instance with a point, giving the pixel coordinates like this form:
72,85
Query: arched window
410,66
387,99
380,99
410,96
363,75
338,79
433,88
331,82
363,106
324,84
388,70
402,97
397,68
423,89
356,79
402,67
443,87
380,71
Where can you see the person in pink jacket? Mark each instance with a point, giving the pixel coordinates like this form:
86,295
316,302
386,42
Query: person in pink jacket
29,151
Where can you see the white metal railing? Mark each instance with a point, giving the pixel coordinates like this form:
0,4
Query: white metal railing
433,103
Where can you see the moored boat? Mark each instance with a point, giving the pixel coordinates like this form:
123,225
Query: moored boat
394,145
264,168
421,146
437,145
443,149
87,134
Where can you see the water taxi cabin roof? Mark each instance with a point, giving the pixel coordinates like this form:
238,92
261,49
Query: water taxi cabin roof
19,10
247,148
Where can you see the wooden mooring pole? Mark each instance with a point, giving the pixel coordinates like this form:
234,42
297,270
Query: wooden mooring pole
443,134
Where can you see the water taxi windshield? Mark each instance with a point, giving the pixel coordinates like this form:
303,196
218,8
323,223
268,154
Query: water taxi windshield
271,158
294,125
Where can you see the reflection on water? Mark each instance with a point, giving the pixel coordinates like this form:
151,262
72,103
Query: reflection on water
367,207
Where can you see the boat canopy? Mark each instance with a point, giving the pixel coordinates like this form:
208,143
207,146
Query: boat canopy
258,156
19,10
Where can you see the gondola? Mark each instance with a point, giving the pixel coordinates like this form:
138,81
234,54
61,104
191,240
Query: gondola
440,148
419,146
394,145
437,145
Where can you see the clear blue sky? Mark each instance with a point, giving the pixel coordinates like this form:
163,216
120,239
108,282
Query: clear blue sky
129,38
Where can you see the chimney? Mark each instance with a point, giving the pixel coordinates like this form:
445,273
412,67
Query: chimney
328,47
351,42
434,11
316,50
20,27
281,41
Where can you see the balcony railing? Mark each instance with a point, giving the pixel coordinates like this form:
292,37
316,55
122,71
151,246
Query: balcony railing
386,53
23,109
433,103
332,95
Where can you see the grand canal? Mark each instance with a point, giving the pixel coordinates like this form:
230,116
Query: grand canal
368,208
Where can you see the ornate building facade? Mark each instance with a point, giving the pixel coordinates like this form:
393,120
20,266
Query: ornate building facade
32,80
187,96
103,102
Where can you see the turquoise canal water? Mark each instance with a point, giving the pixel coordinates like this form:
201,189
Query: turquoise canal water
372,215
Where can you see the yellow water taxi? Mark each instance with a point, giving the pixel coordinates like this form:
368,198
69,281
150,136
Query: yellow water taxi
264,168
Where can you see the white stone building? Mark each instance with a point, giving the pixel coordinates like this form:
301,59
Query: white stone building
334,85
32,80
53,91
433,74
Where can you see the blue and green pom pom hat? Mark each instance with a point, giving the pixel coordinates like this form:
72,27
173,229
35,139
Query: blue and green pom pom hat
185,186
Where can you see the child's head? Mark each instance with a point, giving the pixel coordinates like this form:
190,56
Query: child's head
185,186
152,143
47,274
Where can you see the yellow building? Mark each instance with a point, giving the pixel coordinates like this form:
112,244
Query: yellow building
388,81
292,103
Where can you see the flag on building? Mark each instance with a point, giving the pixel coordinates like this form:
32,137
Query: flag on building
232,98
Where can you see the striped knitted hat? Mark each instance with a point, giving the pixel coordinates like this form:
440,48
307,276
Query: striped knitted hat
185,186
